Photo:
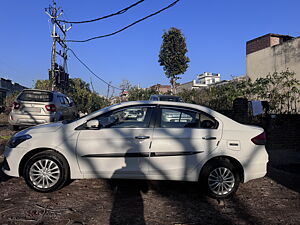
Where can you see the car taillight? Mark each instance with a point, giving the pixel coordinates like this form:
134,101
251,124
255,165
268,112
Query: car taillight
50,108
16,105
260,139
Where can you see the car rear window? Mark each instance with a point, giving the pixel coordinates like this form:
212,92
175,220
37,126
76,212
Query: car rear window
170,99
36,96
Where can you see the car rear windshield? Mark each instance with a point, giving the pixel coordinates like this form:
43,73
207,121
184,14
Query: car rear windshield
170,99
36,96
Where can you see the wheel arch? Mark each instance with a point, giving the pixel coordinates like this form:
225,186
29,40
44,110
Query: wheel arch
31,153
232,160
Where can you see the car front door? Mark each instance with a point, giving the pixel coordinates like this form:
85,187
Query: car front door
120,146
182,139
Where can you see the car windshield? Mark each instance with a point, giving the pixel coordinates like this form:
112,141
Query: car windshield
170,99
36,96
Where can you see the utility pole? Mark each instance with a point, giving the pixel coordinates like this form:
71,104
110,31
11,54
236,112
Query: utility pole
55,75
108,89
92,85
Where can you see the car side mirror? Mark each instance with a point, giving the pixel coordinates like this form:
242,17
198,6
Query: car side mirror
93,124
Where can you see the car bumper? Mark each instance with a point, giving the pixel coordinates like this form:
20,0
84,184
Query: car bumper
20,119
12,159
255,165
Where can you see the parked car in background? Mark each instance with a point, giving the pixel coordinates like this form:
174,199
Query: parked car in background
33,106
152,140
169,98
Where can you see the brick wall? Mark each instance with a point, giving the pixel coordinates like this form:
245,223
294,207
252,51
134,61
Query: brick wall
257,44
283,132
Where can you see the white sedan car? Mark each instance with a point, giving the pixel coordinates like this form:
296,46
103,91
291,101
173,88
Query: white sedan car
164,141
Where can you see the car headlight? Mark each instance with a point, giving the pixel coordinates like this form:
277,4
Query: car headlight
15,141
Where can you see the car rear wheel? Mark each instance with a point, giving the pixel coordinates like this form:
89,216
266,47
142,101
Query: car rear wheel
221,179
46,171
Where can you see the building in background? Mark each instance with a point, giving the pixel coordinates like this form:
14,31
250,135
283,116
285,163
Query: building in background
206,78
185,86
162,89
272,53
202,80
8,87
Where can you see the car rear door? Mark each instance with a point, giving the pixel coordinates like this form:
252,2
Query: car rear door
182,139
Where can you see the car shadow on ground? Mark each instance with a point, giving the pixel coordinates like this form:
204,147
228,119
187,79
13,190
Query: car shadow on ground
185,201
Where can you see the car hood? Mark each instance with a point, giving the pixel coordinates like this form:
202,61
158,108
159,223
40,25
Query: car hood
45,128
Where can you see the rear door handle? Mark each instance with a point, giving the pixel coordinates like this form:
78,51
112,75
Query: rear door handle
142,137
209,138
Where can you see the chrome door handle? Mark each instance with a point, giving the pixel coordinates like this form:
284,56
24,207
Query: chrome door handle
209,138
142,137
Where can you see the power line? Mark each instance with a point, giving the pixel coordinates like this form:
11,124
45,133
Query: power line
105,17
128,26
92,71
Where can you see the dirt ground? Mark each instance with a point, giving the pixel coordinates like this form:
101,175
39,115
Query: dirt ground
274,199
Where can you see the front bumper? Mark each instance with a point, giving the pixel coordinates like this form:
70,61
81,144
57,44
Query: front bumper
12,159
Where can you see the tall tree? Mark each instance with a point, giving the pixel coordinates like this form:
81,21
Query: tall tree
172,55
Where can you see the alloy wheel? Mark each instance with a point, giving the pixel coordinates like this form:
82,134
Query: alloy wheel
221,181
44,173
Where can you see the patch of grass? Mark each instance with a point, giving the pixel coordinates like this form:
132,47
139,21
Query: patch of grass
5,137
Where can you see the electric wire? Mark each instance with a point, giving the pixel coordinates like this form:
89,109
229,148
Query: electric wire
104,17
128,26
107,83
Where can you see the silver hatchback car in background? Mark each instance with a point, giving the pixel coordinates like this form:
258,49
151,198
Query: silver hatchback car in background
34,106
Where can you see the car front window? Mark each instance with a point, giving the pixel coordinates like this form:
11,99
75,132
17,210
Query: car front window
132,117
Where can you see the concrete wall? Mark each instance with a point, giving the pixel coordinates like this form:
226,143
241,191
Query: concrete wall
186,86
276,58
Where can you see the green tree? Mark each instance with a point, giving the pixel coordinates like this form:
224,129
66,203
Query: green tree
86,100
172,55
43,85
281,90
136,94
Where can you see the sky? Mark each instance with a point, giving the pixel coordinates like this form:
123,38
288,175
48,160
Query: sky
216,33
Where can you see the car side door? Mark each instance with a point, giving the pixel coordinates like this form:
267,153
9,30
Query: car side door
120,146
182,139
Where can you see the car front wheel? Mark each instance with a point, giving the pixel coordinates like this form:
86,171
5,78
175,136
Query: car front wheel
46,171
221,179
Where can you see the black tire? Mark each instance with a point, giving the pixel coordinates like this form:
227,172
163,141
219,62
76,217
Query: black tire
52,179
220,179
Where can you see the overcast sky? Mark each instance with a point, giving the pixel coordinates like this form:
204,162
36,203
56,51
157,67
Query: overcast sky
216,33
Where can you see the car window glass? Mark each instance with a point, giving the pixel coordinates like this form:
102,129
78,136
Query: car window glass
36,96
177,118
181,118
66,101
61,100
133,117
170,99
